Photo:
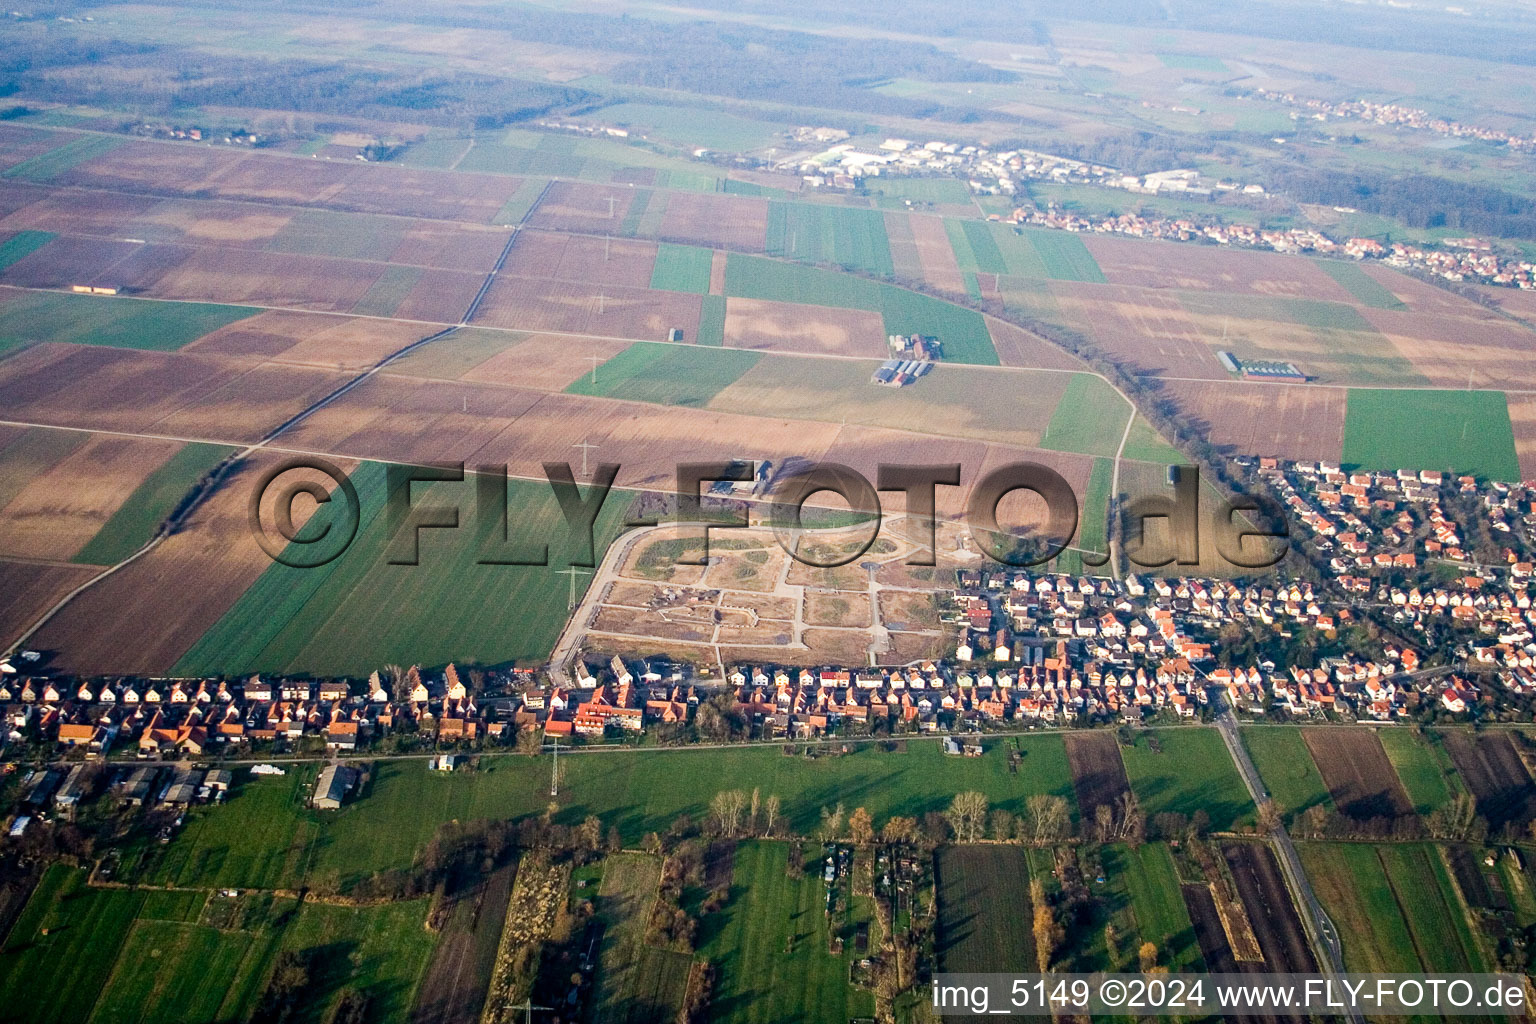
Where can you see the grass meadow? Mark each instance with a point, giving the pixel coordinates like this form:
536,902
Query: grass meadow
1286,765
1191,772
770,946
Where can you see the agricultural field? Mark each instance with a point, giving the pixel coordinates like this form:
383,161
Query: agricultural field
1358,773
392,612
54,511
1285,763
843,236
31,317
666,374
993,248
984,910
1089,418
682,268
963,332
838,391
1460,431
1422,766
1267,901
1366,289
637,983
1299,422
1184,770
137,518
1491,769
1151,880
1395,907
770,946
1098,776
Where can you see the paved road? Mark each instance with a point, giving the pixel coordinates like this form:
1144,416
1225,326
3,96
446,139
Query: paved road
1326,947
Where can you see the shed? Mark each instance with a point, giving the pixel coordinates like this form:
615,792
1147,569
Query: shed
333,785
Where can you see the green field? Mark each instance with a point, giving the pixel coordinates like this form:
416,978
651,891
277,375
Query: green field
1065,256
1460,431
520,202
359,612
1093,520
86,929
29,317
265,836
1089,419
1319,314
682,268
1192,62
995,248
650,371
21,245
355,236
635,982
169,973
49,165
844,236
736,187
688,126
754,277
383,950
1145,445
439,153
711,321
769,944
920,190
1192,772
1152,882
386,293
1394,906
962,331
136,520
1365,288
455,354
984,909
1286,765
1423,767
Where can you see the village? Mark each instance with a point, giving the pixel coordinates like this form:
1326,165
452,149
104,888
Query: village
1394,115
1001,173
1405,624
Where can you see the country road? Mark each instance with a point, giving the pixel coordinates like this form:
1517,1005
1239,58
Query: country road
1326,947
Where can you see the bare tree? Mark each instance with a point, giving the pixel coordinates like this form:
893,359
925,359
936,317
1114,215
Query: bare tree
1049,821
968,816
770,814
727,808
831,824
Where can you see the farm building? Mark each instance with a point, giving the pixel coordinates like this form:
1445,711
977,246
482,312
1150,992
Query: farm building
1272,370
1229,362
333,785
183,788
136,787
